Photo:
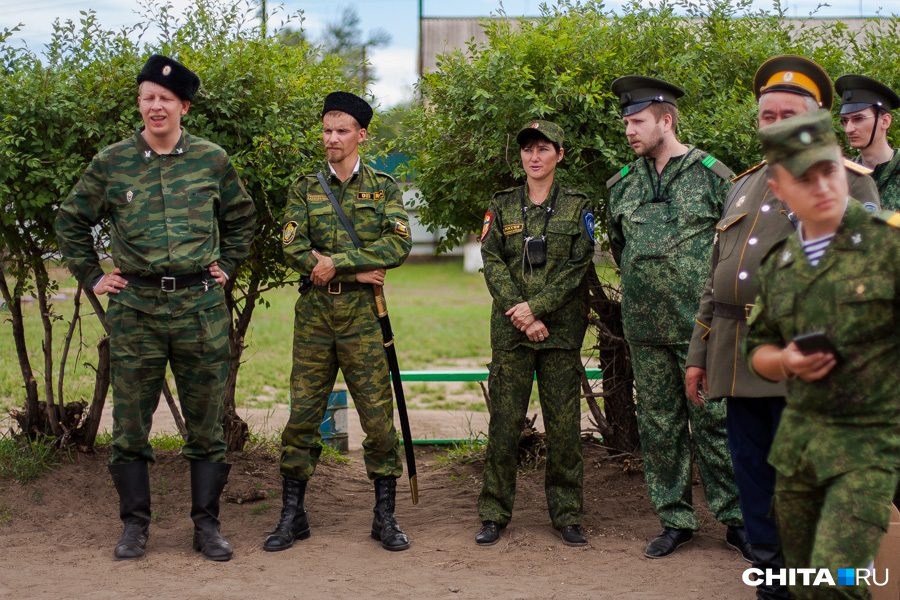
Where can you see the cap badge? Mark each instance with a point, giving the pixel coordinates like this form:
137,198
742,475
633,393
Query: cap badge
856,238
129,196
535,125
785,256
166,70
805,138
860,289
788,76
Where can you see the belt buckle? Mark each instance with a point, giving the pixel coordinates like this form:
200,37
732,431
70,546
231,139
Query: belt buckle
334,291
167,284
747,309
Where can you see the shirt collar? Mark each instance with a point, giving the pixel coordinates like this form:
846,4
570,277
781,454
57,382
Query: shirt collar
355,168
148,154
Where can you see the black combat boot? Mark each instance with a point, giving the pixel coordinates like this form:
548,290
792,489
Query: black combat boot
132,481
769,557
294,522
384,525
207,481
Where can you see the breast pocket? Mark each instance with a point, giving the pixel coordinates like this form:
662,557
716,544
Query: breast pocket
561,236
368,219
202,210
650,231
129,210
864,308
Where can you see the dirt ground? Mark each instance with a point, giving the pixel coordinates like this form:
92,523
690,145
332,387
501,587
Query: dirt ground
57,535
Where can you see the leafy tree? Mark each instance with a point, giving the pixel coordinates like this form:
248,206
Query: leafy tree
560,65
346,39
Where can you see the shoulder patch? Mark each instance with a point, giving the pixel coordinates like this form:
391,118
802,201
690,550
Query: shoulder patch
618,176
401,228
486,224
856,167
289,232
715,165
752,169
587,220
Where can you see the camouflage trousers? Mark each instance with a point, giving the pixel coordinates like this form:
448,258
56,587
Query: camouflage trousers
833,524
670,427
196,347
559,385
332,331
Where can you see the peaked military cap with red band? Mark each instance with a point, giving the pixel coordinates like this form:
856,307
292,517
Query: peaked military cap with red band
795,74
636,92
351,104
859,92
170,74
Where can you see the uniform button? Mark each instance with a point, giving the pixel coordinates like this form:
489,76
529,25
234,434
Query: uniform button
752,241
168,219
765,208
743,275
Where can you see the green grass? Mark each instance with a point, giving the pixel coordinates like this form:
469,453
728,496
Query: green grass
464,453
25,460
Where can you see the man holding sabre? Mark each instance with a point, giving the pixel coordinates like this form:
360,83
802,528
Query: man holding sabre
343,226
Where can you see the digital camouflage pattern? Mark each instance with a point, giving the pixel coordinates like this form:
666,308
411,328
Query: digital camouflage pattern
555,292
887,178
169,214
663,248
842,430
671,429
334,331
754,220
196,346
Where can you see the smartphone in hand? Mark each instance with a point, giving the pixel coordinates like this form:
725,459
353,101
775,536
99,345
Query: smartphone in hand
810,343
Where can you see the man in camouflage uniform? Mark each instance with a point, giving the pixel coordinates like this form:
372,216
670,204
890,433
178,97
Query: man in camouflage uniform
180,222
837,450
866,118
753,221
336,324
538,321
663,210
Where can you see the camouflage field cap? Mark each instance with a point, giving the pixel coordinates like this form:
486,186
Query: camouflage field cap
859,92
795,74
800,142
636,92
548,130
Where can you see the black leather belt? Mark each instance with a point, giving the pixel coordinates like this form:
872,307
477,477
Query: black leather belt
339,287
737,312
171,283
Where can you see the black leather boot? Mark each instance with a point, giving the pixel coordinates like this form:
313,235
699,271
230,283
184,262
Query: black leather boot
384,525
294,521
207,481
769,557
132,481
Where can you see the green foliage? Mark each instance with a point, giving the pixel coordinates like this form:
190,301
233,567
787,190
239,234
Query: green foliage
465,452
560,66
332,456
24,460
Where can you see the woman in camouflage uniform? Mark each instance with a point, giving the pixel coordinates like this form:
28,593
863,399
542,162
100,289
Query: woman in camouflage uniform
537,244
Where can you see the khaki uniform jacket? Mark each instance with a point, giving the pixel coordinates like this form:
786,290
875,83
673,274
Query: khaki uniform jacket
753,222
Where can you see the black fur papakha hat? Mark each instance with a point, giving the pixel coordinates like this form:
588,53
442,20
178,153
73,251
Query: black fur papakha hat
351,104
170,74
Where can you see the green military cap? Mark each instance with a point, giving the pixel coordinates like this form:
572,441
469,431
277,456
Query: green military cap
541,129
859,92
636,92
796,74
800,142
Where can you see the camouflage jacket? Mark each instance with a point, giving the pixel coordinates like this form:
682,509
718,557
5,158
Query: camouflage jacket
555,292
753,221
663,248
373,204
851,418
172,214
887,178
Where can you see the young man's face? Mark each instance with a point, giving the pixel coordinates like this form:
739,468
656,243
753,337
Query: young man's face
341,135
859,125
161,110
817,197
775,106
645,132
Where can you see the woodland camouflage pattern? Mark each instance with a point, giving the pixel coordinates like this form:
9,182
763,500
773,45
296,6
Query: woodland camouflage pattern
839,437
887,178
556,294
334,331
168,215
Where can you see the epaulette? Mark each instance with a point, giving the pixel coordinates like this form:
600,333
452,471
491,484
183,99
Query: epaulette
506,191
891,217
856,167
388,175
715,165
619,175
752,169
574,192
